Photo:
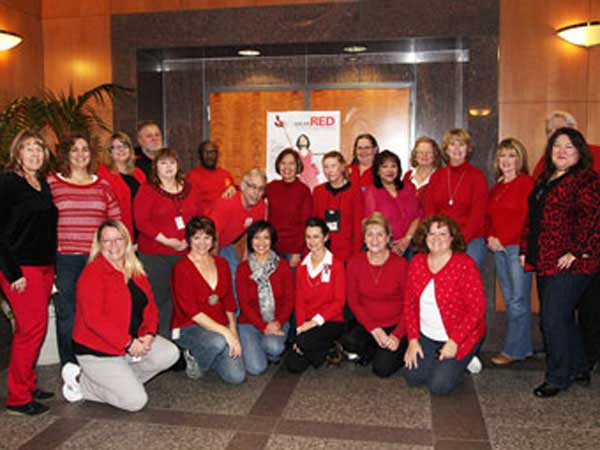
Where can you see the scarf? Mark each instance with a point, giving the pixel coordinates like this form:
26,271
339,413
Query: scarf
260,274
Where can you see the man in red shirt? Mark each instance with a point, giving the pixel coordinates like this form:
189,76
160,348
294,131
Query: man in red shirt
210,181
233,215
150,142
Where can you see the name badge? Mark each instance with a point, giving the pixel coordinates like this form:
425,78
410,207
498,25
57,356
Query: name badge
247,222
179,223
332,219
175,333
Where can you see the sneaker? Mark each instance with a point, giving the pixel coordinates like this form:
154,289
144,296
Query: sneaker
71,388
192,369
475,365
32,408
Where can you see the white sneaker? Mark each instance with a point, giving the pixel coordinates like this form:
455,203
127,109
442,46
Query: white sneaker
71,388
475,365
192,369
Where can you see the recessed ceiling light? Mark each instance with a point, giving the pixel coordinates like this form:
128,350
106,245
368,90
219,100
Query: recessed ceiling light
355,49
249,52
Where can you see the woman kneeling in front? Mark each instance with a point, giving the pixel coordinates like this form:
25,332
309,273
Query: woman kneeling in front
444,308
114,335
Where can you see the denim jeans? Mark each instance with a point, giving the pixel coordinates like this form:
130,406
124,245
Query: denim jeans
211,351
258,349
565,356
231,256
477,250
68,269
441,377
516,290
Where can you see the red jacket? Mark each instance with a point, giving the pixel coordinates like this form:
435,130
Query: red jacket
122,192
459,296
283,291
103,311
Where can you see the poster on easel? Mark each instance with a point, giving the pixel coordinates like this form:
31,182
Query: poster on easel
310,133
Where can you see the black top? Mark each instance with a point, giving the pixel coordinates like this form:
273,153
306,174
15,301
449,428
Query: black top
28,222
131,183
143,162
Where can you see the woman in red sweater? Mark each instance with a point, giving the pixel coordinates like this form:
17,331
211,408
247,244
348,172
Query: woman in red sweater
266,295
360,171
162,207
376,281
290,205
340,204
425,159
320,299
114,336
444,309
460,191
204,307
121,173
506,214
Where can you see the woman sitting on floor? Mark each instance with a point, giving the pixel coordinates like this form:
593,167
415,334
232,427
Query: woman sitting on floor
114,336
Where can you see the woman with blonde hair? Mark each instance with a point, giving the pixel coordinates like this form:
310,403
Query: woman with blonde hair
425,159
28,220
114,335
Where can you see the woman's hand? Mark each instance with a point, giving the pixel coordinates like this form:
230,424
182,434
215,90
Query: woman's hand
175,244
413,352
19,285
294,260
309,324
393,343
566,261
273,328
399,246
448,350
233,341
147,342
380,337
494,244
522,261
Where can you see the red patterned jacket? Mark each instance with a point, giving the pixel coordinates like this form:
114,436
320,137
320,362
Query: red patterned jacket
570,223
459,296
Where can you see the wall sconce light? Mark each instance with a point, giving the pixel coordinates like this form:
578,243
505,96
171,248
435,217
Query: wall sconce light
9,40
479,112
355,48
584,34
249,52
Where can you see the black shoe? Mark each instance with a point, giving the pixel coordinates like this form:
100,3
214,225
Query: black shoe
38,394
583,379
32,408
546,390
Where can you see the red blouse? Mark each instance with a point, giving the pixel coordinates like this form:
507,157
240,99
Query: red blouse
365,180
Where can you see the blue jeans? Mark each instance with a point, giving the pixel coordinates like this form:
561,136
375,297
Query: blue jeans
477,250
441,377
231,256
516,289
68,269
211,351
565,356
258,349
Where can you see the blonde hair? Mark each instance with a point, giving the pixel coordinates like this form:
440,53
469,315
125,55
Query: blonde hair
376,219
125,140
133,266
460,135
519,148
14,162
437,154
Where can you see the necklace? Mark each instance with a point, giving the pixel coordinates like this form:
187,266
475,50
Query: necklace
452,193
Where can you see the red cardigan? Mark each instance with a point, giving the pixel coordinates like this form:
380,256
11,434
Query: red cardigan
290,206
122,192
469,194
348,240
314,296
570,223
376,293
283,291
364,181
155,211
103,311
191,293
459,296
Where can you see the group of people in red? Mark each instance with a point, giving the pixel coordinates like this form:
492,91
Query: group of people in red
377,266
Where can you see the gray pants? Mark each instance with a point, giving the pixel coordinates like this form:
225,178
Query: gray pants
119,381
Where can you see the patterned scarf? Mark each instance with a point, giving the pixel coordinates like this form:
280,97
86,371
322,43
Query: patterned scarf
260,274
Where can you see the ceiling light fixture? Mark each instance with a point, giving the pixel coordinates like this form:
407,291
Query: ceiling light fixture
249,52
9,40
355,49
584,34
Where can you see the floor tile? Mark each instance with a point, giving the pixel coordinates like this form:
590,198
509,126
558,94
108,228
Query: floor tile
529,438
281,442
248,441
16,430
452,444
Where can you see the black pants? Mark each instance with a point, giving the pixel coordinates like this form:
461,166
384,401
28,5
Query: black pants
314,345
589,320
383,361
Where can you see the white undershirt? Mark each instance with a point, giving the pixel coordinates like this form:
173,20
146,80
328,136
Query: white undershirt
431,324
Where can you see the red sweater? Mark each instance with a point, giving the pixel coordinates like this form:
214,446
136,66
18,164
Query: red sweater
315,296
421,192
123,193
210,184
81,209
459,296
232,218
468,189
507,209
155,211
283,290
365,180
376,293
103,311
191,293
348,200
290,206
594,149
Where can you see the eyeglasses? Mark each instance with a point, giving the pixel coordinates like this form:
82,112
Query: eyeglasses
118,147
255,187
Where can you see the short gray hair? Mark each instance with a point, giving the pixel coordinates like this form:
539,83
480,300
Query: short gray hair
256,172
568,117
